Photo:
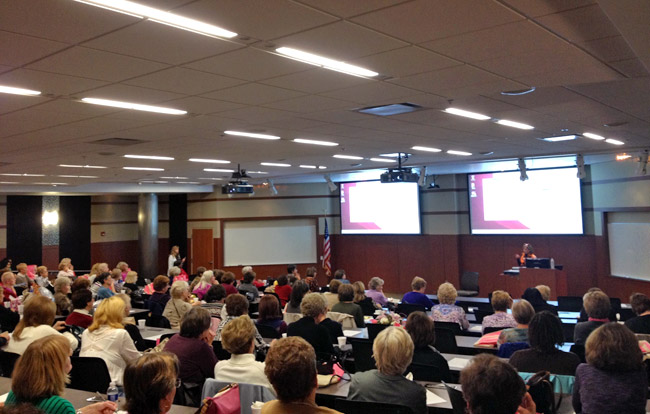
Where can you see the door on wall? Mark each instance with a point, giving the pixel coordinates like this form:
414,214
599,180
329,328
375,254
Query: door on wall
202,249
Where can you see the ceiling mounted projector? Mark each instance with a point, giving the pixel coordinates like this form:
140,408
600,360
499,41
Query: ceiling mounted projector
238,183
399,174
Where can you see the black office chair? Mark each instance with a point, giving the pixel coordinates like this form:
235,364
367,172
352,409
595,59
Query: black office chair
426,372
480,314
468,284
374,329
615,303
7,362
580,351
89,374
219,351
446,341
491,329
189,394
362,354
452,326
569,303
267,331
458,403
407,308
365,407
158,321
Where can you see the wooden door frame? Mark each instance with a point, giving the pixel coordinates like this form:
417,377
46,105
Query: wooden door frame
193,245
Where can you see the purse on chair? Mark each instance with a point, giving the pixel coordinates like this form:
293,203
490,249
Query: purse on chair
226,401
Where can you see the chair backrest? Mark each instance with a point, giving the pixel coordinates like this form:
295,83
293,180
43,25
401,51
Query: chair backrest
469,281
166,336
479,314
248,393
452,326
580,351
374,329
158,321
219,351
425,372
446,341
615,303
569,303
362,354
267,331
407,308
291,317
89,374
365,407
458,404
7,362
346,320
490,329
509,348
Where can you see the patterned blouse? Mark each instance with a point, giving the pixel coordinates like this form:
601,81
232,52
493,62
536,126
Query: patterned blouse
450,313
499,320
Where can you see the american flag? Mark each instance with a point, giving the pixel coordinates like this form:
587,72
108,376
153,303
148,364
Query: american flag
327,252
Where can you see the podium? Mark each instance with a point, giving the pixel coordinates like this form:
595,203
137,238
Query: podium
553,278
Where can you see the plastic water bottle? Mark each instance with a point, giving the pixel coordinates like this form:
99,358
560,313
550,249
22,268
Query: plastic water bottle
552,263
112,394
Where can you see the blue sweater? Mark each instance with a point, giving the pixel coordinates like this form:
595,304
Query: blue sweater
417,298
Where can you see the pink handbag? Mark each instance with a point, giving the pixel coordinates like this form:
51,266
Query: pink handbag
226,401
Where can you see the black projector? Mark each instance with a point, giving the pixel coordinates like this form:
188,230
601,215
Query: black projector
237,188
402,175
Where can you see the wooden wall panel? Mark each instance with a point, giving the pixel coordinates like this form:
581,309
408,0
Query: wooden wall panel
51,259
128,251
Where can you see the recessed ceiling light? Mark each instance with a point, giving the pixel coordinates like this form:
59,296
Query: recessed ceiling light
134,106
560,138
149,157
174,178
593,136
514,124
50,183
614,141
326,62
313,167
519,91
18,91
187,182
209,161
383,160
160,16
143,169
322,167
463,153
275,164
23,175
81,166
250,135
218,170
429,149
9,182
467,114
347,157
315,142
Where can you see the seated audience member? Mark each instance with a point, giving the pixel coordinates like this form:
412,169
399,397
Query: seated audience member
340,275
179,304
332,297
310,279
237,305
193,347
334,328
172,273
79,284
544,335
583,312
105,281
116,275
65,268
446,311
393,352
82,304
535,297
491,386
228,281
376,291
214,299
367,305
420,327
38,317
107,339
197,278
8,320
283,290
129,324
21,275
238,338
290,368
346,305
501,302
207,280
417,295
613,380
61,299
597,305
298,291
247,288
124,269
523,312
218,275
150,383
131,281
270,314
292,272
40,375
8,283
314,310
641,306
41,276
160,297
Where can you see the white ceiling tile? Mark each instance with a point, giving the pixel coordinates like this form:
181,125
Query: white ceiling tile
630,95
253,94
446,79
25,49
316,80
580,25
48,83
632,68
405,61
184,81
6,68
310,103
197,105
20,122
257,115
127,93
350,8
95,64
535,8
375,93
571,76
609,49
423,20
10,103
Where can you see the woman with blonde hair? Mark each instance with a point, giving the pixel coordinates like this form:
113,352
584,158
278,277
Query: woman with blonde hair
8,283
446,311
65,268
150,383
38,317
367,305
61,299
40,375
174,259
207,280
107,339
179,304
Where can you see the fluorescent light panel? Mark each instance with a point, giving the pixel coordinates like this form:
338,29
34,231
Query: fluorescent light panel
614,141
149,157
326,63
218,170
160,16
174,178
209,161
560,138
143,169
256,172
275,164
251,135
77,176
429,149
23,175
593,136
382,160
347,157
312,167
463,153
134,106
315,142
514,124
18,91
467,114
81,166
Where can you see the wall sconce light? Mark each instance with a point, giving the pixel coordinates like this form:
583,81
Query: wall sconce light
50,218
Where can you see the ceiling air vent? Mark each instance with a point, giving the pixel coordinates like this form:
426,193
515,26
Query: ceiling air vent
390,109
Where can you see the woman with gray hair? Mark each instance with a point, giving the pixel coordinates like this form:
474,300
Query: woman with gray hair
61,292
314,310
173,272
207,280
179,304
376,291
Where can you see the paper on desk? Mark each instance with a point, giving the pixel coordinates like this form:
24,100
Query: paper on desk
153,337
475,328
3,397
433,399
458,363
348,333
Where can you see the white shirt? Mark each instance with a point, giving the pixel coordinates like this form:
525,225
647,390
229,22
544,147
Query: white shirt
33,333
242,369
170,262
114,346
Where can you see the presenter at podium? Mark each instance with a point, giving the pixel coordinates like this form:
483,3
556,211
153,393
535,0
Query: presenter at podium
526,253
